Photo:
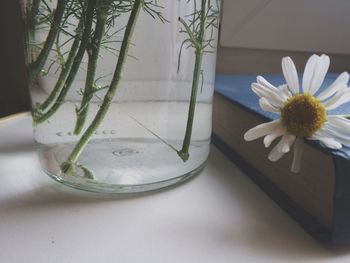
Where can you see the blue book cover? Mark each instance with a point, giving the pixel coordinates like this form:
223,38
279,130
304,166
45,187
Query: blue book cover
237,89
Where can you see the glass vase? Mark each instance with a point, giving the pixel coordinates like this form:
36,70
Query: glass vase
121,90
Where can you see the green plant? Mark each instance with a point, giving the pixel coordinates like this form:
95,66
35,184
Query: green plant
106,13
36,66
69,70
89,26
195,27
148,6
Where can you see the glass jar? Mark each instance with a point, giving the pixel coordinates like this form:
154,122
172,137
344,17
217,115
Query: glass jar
121,90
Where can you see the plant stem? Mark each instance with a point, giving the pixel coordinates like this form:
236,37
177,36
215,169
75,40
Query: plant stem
33,12
36,67
86,137
75,66
184,152
30,25
64,72
91,71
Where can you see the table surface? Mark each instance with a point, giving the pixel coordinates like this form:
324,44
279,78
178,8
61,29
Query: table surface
219,216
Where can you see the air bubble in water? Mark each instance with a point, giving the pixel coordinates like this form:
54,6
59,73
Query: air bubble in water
125,152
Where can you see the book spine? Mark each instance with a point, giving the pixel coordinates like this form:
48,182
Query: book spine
303,218
341,201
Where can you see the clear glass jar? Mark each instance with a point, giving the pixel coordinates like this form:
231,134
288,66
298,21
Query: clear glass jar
121,90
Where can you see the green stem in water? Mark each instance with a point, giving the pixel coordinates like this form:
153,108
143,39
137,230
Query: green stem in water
90,89
199,43
86,137
64,72
74,68
36,67
184,152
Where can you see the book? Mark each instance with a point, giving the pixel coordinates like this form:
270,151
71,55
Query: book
318,197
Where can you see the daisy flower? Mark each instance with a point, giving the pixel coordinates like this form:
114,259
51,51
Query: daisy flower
303,110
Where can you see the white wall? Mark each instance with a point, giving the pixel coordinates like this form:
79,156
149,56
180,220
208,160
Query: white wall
255,34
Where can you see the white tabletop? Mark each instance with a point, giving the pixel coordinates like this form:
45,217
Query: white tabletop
219,216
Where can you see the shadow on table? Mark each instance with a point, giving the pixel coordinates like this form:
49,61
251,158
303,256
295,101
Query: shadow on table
270,231
20,149
44,191
36,190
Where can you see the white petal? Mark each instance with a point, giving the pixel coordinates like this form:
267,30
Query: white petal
290,74
331,143
281,147
308,73
328,142
288,142
341,136
275,154
334,101
261,130
315,70
340,98
262,81
285,91
339,122
269,94
298,150
334,133
279,131
337,85
320,73
267,106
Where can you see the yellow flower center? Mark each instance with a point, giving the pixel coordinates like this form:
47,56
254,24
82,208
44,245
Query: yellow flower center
303,115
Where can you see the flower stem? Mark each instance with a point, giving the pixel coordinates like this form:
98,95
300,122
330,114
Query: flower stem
74,68
32,13
91,70
86,137
183,153
30,24
36,67
64,73
199,46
